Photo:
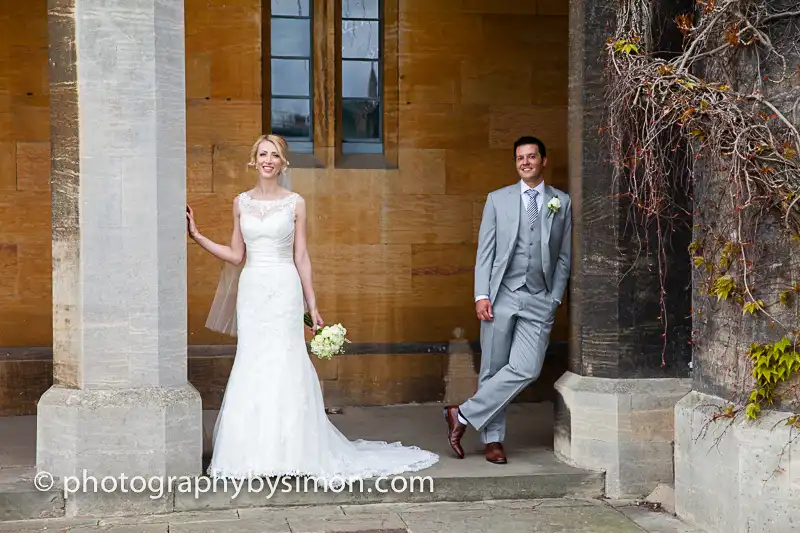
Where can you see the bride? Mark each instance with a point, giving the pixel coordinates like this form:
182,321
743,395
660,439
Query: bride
272,420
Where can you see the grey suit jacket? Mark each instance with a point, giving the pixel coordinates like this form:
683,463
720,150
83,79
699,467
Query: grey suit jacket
498,237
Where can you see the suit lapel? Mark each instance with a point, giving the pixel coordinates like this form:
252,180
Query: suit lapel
547,223
545,216
513,210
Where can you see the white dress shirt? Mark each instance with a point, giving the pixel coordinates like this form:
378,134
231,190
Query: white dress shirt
526,200
539,198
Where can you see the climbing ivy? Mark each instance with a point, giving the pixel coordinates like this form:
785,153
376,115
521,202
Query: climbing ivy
674,129
772,364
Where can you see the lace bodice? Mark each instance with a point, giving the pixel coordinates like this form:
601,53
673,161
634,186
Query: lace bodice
268,229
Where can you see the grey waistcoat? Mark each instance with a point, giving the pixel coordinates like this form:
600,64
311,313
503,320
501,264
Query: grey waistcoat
525,263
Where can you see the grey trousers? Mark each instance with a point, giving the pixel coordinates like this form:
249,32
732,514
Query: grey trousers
513,347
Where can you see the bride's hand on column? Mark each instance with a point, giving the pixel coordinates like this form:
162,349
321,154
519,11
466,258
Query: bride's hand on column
191,227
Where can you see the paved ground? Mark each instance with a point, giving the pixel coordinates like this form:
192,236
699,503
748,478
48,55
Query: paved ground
508,516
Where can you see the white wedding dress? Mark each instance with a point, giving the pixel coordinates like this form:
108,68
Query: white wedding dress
272,420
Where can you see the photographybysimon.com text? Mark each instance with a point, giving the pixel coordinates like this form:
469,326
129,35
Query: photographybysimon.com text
159,486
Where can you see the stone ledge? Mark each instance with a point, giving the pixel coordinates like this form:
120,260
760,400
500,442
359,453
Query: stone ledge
273,494
30,373
623,427
735,476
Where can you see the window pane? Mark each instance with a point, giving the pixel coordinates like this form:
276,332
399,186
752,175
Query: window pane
297,8
290,77
360,9
360,79
291,118
361,39
361,119
290,37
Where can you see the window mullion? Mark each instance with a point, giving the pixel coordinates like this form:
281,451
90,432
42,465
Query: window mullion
291,116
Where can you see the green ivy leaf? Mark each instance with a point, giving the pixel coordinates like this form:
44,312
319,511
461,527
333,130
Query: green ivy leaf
723,286
782,345
756,350
790,361
752,307
785,297
626,47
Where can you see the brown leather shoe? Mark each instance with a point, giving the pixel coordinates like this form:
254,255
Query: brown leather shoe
495,453
455,429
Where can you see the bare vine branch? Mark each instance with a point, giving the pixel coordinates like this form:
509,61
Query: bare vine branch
668,126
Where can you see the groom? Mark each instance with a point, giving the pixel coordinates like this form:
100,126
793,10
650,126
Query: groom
521,272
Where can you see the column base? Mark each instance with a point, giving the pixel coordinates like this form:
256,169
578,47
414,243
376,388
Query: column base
461,378
623,427
735,476
111,433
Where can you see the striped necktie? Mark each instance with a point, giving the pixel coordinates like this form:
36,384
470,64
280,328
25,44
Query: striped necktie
533,209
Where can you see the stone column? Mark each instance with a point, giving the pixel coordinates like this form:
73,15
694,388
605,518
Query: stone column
121,402
615,403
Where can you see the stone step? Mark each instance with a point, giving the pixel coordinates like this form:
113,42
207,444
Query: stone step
20,500
532,472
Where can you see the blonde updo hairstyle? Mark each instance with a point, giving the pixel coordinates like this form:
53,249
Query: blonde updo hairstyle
280,144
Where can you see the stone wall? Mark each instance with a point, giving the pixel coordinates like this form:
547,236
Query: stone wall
25,255
724,333
392,243
721,365
732,474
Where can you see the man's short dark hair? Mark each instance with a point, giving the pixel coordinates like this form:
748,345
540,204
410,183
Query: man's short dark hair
530,140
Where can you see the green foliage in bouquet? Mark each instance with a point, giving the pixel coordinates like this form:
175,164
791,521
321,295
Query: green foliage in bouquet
327,341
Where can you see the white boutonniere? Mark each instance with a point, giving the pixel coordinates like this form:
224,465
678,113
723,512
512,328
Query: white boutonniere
553,206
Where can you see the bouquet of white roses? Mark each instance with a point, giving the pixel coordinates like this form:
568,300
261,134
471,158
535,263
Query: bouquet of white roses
327,341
